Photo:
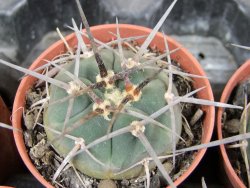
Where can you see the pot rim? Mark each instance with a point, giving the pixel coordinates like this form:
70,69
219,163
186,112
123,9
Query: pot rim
240,75
130,30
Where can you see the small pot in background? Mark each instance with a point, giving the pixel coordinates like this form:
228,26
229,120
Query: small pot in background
9,157
238,77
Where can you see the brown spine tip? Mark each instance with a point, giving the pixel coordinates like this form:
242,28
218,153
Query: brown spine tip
99,111
141,86
101,66
127,99
145,82
98,85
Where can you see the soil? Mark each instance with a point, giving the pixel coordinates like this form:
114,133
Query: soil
47,160
231,127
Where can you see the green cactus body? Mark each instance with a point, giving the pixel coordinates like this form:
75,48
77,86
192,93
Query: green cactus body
123,151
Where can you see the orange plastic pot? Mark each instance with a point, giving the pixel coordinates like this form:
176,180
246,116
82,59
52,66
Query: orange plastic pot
9,158
102,33
239,76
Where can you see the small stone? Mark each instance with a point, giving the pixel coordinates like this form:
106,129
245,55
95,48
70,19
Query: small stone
40,136
39,150
233,126
47,158
168,167
28,138
107,184
32,97
155,182
125,182
29,121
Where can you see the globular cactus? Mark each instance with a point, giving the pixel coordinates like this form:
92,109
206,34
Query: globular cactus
94,117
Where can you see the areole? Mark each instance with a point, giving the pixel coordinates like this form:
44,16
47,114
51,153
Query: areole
187,62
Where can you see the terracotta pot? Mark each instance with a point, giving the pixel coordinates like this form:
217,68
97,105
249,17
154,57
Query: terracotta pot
239,76
9,158
186,60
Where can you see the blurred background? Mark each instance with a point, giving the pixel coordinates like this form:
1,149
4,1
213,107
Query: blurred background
205,27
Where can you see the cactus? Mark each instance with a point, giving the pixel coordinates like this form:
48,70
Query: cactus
116,154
